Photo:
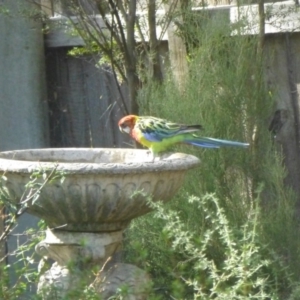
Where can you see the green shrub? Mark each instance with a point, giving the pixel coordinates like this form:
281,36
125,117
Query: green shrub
231,232
216,261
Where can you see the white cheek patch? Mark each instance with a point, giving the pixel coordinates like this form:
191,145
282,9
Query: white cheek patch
126,129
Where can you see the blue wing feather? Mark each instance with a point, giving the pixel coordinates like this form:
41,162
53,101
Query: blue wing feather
152,136
214,143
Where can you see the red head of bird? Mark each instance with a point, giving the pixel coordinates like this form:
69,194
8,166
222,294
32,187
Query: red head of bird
127,123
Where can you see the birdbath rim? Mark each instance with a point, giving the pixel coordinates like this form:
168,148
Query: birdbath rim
93,160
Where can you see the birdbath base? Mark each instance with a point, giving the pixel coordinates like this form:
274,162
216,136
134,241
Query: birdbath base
78,257
85,248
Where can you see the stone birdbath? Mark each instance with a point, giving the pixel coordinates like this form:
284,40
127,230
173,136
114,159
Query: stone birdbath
87,212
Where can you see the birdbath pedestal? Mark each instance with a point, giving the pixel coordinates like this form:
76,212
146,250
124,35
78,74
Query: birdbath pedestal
87,212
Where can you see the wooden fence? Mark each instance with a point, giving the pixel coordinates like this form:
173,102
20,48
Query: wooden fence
85,101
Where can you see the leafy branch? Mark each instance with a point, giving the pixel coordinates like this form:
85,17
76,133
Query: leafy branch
29,197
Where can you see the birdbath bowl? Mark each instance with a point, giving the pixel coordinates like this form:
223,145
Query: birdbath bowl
102,191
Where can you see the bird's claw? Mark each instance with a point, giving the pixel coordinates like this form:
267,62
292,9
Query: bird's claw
149,152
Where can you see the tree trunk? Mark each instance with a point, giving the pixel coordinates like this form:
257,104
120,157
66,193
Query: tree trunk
157,73
283,76
2,244
130,57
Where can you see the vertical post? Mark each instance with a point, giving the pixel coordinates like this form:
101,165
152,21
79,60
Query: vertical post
177,49
47,7
261,34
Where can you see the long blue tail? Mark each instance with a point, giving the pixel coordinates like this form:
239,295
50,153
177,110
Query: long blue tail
206,142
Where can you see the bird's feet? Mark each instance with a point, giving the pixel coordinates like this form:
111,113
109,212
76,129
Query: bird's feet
152,156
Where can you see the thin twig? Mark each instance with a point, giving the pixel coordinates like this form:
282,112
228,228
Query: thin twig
28,198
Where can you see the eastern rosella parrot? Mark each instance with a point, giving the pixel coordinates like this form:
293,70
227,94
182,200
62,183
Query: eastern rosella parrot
159,134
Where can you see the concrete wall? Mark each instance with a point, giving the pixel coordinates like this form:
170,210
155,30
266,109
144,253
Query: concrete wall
23,102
